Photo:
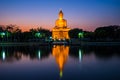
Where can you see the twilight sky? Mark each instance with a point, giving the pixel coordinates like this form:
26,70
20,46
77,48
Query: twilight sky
85,14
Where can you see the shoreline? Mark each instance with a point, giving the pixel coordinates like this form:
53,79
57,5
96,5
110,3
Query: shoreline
71,44
23,44
98,44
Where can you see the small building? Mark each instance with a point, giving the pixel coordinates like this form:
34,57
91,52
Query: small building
60,31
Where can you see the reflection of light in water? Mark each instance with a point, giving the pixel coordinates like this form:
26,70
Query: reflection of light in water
80,55
3,55
39,56
61,73
54,46
60,52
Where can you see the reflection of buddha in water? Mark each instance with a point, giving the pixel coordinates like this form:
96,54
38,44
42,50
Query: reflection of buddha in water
61,54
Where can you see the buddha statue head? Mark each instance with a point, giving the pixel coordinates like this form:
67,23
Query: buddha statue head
60,15
60,22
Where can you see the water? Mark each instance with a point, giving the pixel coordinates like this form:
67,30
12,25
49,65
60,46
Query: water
59,63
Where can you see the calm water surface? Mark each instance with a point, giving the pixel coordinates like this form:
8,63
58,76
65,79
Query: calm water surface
59,63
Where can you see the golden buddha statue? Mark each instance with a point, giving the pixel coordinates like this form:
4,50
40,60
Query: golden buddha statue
60,31
61,23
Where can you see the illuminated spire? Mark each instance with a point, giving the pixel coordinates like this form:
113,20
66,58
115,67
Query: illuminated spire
61,15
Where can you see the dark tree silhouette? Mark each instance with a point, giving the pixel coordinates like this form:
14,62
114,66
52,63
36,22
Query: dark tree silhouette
12,33
107,32
73,33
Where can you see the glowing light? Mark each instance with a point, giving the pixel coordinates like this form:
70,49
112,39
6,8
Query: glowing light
80,34
37,35
61,23
80,55
50,37
3,55
60,30
61,74
61,54
2,34
60,15
39,54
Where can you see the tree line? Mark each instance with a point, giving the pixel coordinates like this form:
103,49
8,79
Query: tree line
12,33
105,33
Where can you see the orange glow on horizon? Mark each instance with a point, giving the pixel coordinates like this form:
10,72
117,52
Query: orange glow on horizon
49,27
27,28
